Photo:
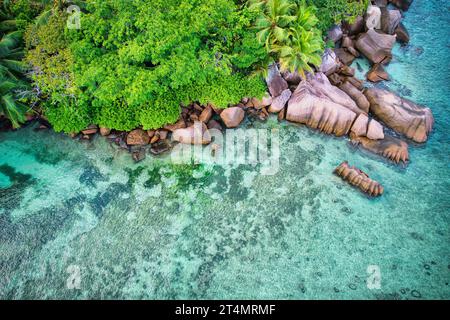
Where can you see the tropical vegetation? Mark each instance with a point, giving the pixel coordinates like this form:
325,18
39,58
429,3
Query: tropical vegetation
134,63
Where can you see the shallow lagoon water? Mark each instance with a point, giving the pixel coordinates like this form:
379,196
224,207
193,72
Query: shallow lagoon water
158,230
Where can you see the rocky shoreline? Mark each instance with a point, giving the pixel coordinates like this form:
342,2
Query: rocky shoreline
332,100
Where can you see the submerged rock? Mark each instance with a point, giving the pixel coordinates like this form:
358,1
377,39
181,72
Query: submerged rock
359,179
375,46
138,155
389,147
402,115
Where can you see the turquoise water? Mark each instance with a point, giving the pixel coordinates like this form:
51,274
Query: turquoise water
159,230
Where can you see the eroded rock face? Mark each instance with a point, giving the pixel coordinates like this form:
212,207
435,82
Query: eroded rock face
391,148
373,17
321,84
375,46
196,134
279,102
275,81
138,137
232,117
356,95
402,115
310,106
359,179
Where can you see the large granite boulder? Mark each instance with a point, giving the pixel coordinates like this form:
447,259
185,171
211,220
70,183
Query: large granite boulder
402,4
376,46
292,78
389,147
310,106
359,179
232,117
402,115
275,81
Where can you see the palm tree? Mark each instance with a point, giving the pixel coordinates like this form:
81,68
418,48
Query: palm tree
11,71
289,33
274,20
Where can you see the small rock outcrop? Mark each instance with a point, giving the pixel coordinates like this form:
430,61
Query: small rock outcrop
232,117
275,81
138,137
402,115
358,178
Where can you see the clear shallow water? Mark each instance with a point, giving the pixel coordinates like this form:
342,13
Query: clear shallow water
158,230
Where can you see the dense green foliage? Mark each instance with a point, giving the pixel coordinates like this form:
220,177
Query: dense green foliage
133,62
331,12
288,31
11,66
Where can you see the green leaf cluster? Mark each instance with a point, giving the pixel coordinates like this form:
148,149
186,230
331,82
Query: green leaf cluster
288,30
133,62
